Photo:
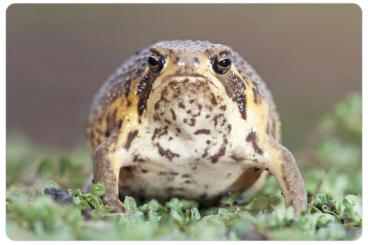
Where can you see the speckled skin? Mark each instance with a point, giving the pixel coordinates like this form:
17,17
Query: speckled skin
187,130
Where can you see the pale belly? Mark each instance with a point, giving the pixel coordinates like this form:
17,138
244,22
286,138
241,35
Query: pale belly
190,146
203,168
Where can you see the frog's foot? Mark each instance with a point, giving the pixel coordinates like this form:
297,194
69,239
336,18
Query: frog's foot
114,203
282,166
106,172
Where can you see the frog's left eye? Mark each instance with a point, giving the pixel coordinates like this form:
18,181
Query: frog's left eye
156,63
222,63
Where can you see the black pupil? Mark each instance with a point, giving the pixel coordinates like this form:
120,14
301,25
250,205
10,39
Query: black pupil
225,62
152,61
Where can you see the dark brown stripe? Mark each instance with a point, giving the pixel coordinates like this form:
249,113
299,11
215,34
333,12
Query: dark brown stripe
202,131
144,91
167,153
173,115
219,154
235,89
252,137
130,138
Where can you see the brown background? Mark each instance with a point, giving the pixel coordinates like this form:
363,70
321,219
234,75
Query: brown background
59,55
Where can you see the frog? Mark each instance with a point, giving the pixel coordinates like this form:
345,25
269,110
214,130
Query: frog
188,119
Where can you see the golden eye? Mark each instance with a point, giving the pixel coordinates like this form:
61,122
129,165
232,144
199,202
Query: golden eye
222,63
156,63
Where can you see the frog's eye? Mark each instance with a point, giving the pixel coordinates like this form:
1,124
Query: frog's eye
222,63
156,63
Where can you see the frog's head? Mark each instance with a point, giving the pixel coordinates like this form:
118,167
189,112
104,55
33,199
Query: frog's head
188,82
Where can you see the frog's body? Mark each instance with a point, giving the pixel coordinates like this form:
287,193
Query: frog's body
184,124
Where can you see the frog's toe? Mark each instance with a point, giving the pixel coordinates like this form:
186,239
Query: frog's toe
114,204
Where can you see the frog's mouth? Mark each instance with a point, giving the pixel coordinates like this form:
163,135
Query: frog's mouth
185,100
182,78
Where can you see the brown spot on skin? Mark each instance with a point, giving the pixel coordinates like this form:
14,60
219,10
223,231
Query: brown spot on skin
162,98
188,181
178,130
219,119
236,158
202,131
144,170
229,128
181,105
166,153
167,121
156,117
155,133
173,115
205,153
208,142
157,105
213,99
252,137
130,138
164,132
223,107
191,121
185,176
219,154
136,158
225,140
173,173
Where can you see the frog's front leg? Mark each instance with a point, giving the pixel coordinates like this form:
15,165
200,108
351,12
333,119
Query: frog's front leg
107,172
278,160
282,166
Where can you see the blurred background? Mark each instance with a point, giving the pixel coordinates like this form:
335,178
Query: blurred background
59,55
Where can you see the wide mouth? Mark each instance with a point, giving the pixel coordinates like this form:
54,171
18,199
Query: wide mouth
182,78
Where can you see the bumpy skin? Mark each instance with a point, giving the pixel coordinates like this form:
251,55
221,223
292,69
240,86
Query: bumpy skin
188,131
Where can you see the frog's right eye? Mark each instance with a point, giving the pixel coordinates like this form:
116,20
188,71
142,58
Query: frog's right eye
222,63
156,63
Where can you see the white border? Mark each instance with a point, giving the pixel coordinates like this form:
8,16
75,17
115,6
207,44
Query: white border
5,4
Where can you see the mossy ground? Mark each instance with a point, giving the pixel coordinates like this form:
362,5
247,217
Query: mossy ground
44,201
